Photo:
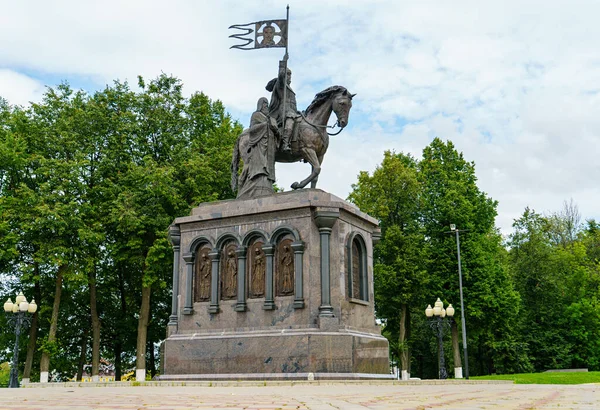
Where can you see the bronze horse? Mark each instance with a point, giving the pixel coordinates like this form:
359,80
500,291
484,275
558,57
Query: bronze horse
312,139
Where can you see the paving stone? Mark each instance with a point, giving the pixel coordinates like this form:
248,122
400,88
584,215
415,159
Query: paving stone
306,396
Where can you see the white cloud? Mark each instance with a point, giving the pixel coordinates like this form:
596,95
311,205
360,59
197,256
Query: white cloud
514,84
19,89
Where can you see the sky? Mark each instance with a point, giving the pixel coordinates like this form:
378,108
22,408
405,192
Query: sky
515,85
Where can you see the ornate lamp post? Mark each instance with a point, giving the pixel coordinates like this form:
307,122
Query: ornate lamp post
17,315
462,305
439,323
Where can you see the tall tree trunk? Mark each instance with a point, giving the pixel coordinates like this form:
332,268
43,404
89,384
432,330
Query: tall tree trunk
45,362
408,336
118,351
480,358
95,326
118,336
151,359
82,356
402,342
140,372
456,351
34,328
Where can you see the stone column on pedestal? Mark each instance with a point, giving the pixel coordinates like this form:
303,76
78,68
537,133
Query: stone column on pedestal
214,282
241,279
188,307
298,248
325,219
269,291
175,239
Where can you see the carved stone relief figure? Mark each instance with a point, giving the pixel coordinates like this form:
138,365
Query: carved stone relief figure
203,271
258,269
285,268
229,272
355,270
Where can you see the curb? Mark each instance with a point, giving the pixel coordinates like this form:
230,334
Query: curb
265,383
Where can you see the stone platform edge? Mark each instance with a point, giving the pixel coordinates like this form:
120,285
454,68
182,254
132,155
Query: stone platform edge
276,376
282,201
264,383
229,334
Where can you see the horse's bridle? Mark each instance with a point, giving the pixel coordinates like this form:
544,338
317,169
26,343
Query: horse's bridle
333,126
323,126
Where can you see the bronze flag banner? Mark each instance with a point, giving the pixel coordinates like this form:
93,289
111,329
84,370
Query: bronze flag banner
261,34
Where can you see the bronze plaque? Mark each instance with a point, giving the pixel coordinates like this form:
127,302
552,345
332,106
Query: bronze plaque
202,279
258,267
284,271
229,271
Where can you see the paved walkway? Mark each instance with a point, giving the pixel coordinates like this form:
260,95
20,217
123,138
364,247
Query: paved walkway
350,396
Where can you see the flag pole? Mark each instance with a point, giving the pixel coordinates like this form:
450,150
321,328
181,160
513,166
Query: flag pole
287,26
285,75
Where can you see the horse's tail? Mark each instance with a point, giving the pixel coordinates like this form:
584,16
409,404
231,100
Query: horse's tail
235,161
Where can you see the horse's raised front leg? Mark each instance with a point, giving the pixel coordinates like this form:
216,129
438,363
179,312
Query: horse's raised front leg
311,157
313,183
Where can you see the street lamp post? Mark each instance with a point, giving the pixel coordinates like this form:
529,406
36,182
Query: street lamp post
439,323
462,305
17,315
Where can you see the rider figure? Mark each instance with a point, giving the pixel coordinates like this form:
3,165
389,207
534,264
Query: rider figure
276,86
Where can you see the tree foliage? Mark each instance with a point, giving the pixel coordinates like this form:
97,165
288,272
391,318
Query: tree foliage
531,303
555,269
89,184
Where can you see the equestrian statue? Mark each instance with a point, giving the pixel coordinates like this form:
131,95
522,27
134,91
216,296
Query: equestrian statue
279,133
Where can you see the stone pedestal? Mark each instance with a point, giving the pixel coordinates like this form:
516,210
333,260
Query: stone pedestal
291,291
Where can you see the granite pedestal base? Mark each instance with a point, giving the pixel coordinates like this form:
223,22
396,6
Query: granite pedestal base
283,352
323,327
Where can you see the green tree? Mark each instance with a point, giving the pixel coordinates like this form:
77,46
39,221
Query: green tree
17,246
88,188
392,195
451,196
178,152
44,200
553,269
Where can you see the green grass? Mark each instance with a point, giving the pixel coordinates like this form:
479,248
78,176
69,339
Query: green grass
4,374
546,378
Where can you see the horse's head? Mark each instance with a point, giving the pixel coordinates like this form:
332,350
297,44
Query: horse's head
342,102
